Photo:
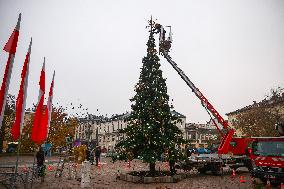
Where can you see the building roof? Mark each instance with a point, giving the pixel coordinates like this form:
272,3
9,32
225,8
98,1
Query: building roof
177,114
199,126
92,117
123,116
264,103
120,116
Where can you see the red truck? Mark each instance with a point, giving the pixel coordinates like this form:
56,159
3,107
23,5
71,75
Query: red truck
267,157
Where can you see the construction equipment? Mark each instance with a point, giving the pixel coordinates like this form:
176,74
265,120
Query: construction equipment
234,152
226,137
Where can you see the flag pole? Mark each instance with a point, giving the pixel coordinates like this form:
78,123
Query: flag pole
38,113
48,108
33,171
36,135
25,74
17,161
48,111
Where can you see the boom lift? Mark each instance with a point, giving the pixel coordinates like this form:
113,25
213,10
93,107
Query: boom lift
227,136
263,156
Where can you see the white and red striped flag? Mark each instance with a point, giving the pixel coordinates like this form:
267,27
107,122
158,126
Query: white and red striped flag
21,99
48,109
39,113
10,47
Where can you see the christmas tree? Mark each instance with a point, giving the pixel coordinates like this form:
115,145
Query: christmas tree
151,129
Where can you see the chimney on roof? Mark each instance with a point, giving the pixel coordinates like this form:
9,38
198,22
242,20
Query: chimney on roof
254,102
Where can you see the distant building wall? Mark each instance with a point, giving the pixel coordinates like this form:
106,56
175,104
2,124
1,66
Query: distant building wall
105,131
200,135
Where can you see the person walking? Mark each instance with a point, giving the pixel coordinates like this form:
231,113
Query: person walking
98,155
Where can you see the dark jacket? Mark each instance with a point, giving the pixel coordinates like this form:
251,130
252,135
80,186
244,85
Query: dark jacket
40,158
98,152
88,155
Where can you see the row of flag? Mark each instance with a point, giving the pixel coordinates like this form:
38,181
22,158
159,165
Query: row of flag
42,114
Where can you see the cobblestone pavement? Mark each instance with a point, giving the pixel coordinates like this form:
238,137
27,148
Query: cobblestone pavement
105,176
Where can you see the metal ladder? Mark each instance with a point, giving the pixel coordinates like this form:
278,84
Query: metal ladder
60,166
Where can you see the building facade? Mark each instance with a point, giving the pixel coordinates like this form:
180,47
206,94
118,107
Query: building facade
103,131
201,135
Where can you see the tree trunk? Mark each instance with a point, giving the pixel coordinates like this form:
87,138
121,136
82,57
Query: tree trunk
152,167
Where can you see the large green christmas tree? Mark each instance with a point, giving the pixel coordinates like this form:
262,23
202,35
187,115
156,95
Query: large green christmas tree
151,128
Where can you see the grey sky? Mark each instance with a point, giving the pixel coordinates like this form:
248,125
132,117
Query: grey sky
232,50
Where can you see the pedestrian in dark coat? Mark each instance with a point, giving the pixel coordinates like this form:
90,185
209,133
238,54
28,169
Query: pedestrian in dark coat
88,155
40,163
98,155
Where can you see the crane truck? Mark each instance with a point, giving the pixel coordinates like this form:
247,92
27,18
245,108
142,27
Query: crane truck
253,153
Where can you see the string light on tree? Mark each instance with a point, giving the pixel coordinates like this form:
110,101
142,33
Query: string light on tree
152,128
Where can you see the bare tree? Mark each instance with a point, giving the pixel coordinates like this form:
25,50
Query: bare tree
260,118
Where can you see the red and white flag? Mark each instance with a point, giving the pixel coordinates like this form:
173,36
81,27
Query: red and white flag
21,99
48,109
36,135
10,47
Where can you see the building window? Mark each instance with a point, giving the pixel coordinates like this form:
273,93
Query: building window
189,136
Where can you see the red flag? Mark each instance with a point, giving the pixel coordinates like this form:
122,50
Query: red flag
11,44
39,113
42,135
48,108
10,47
21,99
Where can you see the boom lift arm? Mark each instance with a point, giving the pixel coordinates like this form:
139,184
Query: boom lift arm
226,137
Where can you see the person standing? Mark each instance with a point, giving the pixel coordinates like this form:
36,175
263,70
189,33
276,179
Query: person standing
98,155
88,154
40,163
171,159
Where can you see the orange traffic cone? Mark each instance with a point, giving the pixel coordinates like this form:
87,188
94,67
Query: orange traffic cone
50,168
242,180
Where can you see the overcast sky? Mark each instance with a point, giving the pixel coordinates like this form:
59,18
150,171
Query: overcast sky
233,51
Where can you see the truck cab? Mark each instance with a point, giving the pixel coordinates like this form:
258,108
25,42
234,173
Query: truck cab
267,159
